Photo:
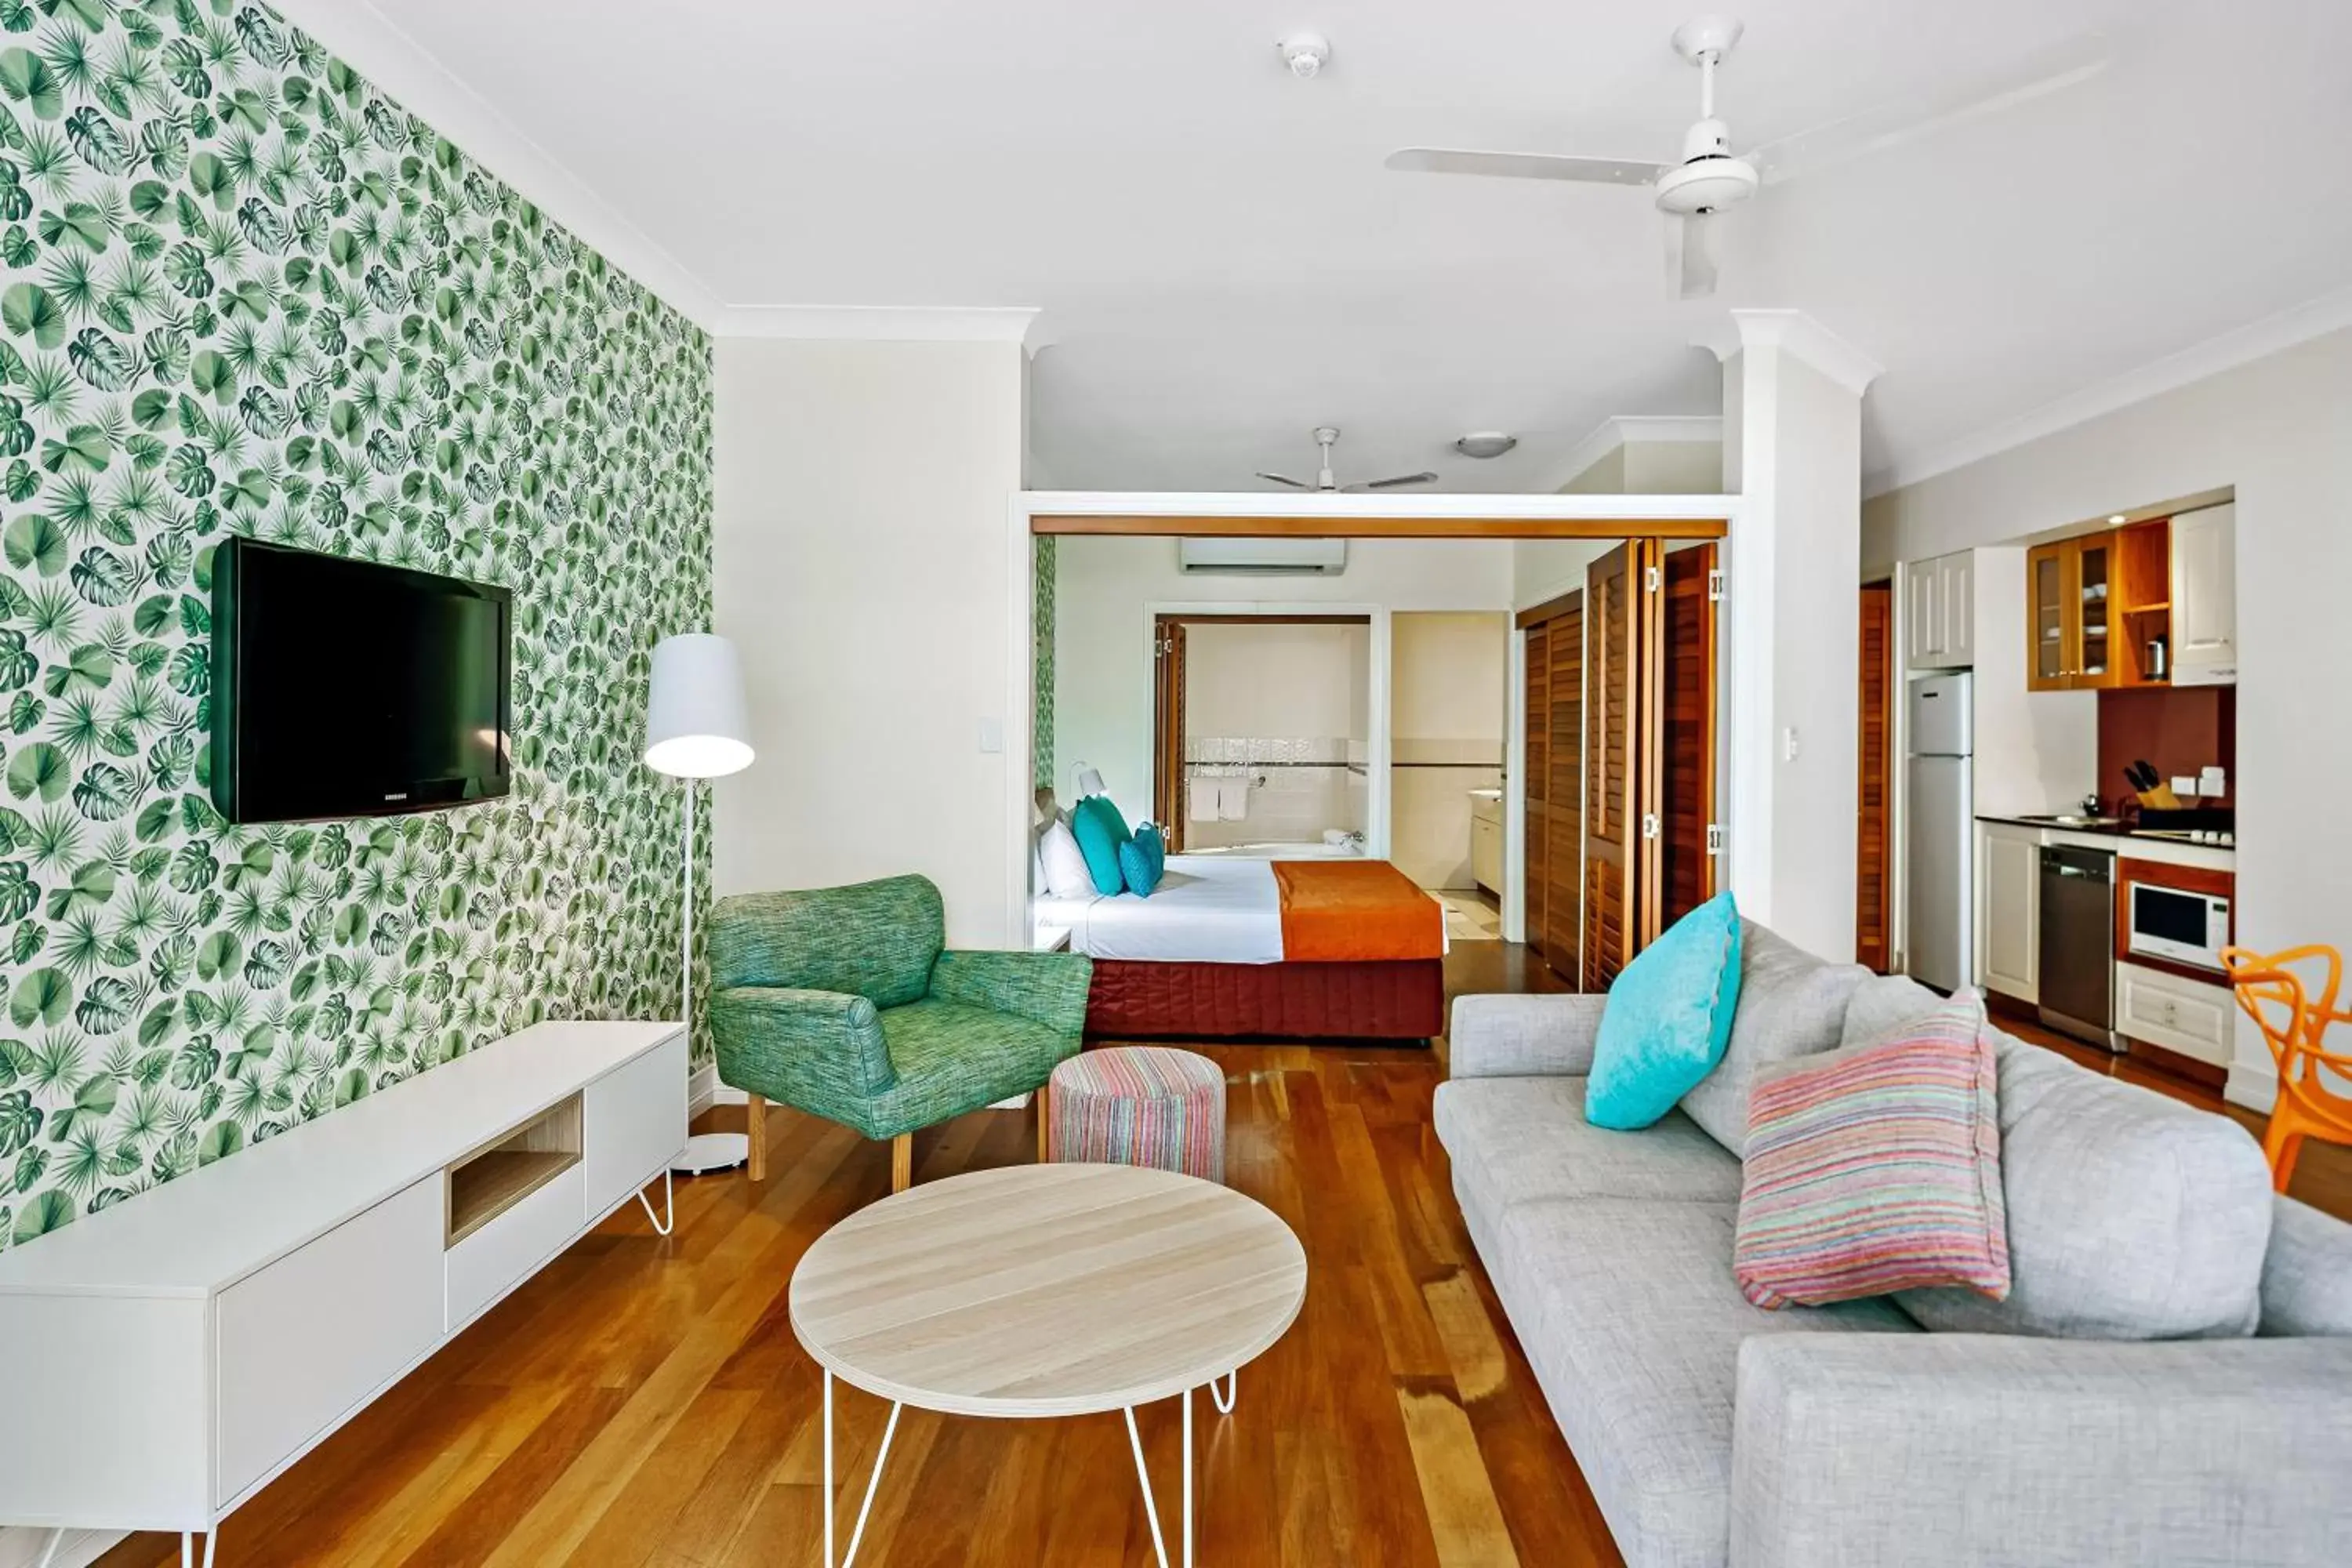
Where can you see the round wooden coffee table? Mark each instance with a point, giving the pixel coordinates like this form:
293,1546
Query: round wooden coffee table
1041,1290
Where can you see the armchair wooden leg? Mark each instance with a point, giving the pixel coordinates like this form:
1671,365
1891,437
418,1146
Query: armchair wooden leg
755,1124
902,1162
1044,1122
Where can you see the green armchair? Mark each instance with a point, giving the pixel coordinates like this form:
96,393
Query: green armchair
843,1002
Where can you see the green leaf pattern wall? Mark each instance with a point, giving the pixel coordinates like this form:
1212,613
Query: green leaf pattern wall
243,292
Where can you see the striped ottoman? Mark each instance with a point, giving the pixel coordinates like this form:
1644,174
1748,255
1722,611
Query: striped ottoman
1140,1105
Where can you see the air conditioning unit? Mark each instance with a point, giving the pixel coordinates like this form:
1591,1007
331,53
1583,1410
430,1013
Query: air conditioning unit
1262,557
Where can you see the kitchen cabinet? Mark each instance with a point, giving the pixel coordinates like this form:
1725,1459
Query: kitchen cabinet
1939,613
2071,641
1486,840
2205,596
2008,911
2176,1014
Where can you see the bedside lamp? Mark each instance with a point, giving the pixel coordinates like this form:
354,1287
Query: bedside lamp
697,726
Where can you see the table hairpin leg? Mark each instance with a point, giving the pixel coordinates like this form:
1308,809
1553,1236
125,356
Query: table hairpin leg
188,1547
49,1551
1143,1478
669,1216
1232,1391
873,1482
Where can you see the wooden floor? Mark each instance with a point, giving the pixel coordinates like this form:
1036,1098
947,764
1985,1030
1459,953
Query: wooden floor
643,1402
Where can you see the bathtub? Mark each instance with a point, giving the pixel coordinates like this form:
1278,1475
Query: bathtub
1317,851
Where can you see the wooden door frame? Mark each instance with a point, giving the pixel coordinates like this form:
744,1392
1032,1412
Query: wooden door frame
1180,514
1168,633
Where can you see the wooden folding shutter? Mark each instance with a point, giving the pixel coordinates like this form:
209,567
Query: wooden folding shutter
1167,803
1613,739
1873,865
1564,830
1537,836
1686,713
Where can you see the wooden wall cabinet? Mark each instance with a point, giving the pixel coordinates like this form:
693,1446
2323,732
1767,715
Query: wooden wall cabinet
1939,613
2100,607
2069,622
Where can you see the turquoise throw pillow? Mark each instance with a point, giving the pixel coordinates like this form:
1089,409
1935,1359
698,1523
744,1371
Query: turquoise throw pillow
1142,859
1100,830
1668,1019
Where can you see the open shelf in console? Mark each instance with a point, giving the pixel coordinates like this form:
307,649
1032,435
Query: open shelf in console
499,1174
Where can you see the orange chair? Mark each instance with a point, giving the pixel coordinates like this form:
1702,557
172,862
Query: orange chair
2273,995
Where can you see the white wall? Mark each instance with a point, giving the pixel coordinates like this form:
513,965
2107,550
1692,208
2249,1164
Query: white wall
1448,715
2277,430
1106,589
2035,751
860,564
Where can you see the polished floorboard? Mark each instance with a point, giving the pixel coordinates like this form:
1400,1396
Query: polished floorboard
642,1401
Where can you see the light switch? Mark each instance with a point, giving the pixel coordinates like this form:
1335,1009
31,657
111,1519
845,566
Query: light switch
1790,744
991,735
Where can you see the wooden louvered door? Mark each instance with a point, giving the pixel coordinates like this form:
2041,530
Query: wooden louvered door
1168,801
1564,823
1687,716
1537,839
1621,733
1873,862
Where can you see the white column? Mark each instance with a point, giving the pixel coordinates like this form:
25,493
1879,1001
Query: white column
1792,451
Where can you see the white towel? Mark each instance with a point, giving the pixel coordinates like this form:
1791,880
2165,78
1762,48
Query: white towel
1233,800
1202,799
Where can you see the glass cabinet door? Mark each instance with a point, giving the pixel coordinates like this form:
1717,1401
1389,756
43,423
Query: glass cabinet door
2046,585
2093,576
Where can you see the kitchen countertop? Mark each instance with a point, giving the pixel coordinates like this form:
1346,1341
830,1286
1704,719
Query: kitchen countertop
2128,840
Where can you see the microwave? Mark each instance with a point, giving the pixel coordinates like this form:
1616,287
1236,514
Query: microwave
2175,924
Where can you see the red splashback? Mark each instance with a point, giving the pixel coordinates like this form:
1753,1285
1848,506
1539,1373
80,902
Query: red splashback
2179,729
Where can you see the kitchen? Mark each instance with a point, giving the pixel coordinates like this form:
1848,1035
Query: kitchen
2059,724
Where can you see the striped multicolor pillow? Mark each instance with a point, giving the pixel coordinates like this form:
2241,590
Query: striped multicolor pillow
1876,1168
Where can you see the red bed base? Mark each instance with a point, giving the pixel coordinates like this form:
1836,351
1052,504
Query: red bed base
1391,1000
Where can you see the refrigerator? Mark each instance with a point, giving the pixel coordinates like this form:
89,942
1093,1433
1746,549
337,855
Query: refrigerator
1939,839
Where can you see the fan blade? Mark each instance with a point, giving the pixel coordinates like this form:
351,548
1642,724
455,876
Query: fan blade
1393,480
1525,165
1892,123
1286,480
1690,256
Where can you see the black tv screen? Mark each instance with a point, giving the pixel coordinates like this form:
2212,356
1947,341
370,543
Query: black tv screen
347,689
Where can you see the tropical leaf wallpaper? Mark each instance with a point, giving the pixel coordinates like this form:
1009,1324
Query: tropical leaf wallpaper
241,291
1040,646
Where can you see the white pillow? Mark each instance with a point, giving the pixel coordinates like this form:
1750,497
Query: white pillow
1066,876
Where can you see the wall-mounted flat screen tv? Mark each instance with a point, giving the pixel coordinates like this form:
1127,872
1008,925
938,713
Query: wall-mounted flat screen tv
348,688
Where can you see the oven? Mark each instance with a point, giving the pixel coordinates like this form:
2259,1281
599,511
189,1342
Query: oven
2178,925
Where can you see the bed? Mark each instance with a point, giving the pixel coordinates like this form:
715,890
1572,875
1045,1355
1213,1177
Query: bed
1234,948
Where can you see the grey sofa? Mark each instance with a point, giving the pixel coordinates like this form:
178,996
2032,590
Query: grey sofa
2170,1380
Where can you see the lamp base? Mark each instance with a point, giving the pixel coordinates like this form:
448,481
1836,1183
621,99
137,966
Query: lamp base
706,1153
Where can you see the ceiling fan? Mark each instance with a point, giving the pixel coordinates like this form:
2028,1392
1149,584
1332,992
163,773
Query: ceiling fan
1710,178
1326,437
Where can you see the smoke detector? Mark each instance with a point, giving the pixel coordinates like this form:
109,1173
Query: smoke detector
1306,53
1486,444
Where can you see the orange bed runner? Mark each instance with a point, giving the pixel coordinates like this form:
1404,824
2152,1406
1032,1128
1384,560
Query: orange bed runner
1341,911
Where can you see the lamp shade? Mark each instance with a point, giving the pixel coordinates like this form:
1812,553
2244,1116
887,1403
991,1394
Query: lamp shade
698,725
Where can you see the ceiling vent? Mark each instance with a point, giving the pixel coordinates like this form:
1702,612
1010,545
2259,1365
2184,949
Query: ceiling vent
1262,557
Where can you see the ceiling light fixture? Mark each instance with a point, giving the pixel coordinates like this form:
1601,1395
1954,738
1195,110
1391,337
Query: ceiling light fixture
1486,444
1306,53
2117,519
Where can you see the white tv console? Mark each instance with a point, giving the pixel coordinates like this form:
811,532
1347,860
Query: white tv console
196,1340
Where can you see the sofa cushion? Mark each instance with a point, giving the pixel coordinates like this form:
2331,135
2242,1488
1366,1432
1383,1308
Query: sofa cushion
1633,1324
1882,1003
2306,1273
1668,1019
1513,1140
1790,1005
1876,1168
2131,1215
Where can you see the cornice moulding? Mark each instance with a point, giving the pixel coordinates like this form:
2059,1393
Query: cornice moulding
2272,334
879,323
1798,334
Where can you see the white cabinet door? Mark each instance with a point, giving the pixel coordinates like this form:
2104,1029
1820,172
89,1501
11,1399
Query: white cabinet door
1956,582
1923,618
635,1123
2009,944
2205,596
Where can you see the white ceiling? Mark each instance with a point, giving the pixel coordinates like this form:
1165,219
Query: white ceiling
1222,263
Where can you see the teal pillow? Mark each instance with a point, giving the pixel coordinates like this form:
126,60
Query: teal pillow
1668,1019
1142,859
1100,830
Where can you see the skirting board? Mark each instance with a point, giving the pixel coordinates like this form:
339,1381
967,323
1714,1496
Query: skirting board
702,1091
21,1547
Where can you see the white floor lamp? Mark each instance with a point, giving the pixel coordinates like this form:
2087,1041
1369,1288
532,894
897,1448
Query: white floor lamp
697,726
